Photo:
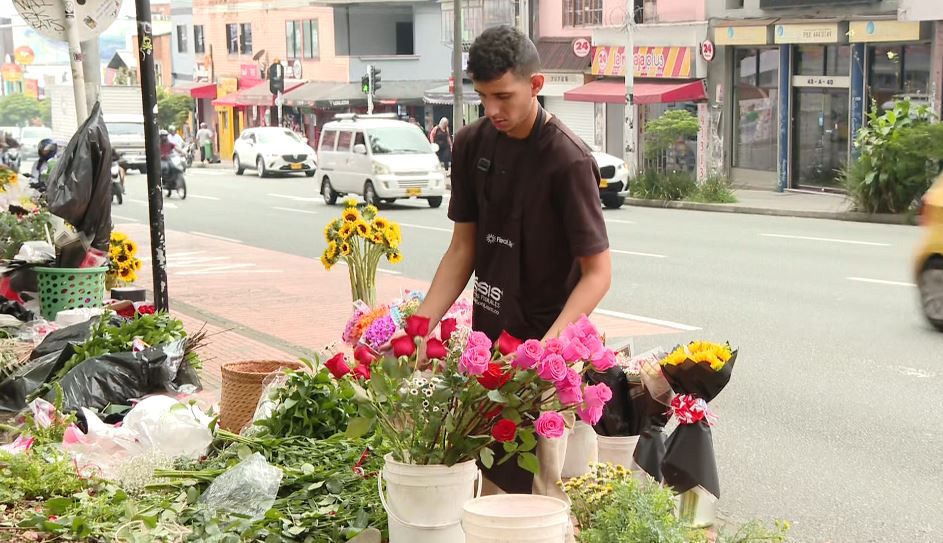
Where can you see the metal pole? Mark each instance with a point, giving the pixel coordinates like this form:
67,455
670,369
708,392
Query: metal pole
278,101
75,60
91,66
629,132
458,108
152,148
369,90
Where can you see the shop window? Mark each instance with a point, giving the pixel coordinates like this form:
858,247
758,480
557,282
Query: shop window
245,38
232,38
897,72
916,64
582,12
837,60
199,43
755,109
823,60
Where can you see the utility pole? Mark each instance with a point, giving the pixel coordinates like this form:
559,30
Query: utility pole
458,107
370,90
75,61
629,132
91,66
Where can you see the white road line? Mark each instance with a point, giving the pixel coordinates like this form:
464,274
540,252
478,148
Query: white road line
167,205
881,282
190,263
213,236
201,171
221,272
295,210
424,227
389,272
176,255
125,219
634,253
620,221
295,198
828,240
200,197
628,316
217,269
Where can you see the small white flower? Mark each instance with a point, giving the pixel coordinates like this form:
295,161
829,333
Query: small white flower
435,409
428,392
425,404
414,391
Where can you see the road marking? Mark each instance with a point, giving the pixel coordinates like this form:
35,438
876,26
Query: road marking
295,198
201,171
213,236
629,316
296,210
176,255
193,262
213,269
828,240
913,372
620,221
881,282
222,272
167,205
634,253
203,197
125,219
424,227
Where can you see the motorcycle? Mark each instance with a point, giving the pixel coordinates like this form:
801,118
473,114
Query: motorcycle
116,191
189,151
171,173
11,158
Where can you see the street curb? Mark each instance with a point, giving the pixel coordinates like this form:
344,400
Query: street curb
851,216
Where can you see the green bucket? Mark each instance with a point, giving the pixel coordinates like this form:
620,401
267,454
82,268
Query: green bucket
69,288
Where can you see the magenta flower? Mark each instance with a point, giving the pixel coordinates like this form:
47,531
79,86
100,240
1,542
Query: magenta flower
528,354
552,368
590,415
479,339
597,395
550,425
475,360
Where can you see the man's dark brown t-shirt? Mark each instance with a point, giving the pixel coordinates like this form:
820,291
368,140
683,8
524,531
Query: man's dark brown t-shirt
559,208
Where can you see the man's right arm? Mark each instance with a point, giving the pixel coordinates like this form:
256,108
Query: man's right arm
453,274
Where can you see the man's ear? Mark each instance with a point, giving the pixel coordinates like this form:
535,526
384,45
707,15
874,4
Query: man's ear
536,84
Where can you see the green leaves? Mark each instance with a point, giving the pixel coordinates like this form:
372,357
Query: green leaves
529,462
358,427
486,456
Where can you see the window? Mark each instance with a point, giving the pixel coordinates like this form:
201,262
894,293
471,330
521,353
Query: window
199,45
582,12
245,38
181,38
328,139
755,109
896,72
343,141
301,39
232,38
827,60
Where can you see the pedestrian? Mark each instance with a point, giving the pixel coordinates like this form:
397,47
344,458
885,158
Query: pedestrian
204,138
527,223
441,136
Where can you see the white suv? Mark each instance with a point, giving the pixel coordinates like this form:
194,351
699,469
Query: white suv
379,158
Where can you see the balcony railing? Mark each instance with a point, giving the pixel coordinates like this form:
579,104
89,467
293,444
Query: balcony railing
477,15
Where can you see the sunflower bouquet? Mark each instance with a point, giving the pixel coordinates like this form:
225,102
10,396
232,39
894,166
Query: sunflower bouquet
360,238
8,178
123,265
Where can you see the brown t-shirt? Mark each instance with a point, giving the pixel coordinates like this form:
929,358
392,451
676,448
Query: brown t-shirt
562,216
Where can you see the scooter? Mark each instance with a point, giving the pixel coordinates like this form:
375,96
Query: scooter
175,182
116,191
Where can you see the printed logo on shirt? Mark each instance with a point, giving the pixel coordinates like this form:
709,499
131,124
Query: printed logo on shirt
488,297
492,239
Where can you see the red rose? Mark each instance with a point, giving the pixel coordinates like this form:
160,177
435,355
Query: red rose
493,414
447,328
436,349
337,365
507,343
504,430
364,355
403,346
494,377
146,309
417,326
362,371
127,312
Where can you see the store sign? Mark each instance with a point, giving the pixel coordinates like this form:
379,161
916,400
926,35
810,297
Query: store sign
654,62
574,79
773,4
226,86
250,71
24,55
807,33
11,72
741,35
707,50
294,68
339,103
31,88
581,47
826,81
882,31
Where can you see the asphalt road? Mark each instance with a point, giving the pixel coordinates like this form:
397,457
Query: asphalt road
832,420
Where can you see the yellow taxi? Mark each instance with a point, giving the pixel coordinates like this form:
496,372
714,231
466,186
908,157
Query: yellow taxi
929,258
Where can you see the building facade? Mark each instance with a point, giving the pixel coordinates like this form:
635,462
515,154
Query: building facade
184,42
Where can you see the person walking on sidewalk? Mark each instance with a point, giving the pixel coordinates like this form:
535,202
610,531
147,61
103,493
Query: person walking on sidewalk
527,222
441,136
204,139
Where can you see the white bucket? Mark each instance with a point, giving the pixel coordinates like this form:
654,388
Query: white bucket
424,504
516,518
581,450
617,450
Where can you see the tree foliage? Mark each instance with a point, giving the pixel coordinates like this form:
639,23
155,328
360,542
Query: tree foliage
19,109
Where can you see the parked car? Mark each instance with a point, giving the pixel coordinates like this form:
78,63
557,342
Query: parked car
30,136
126,133
614,185
928,260
270,149
380,158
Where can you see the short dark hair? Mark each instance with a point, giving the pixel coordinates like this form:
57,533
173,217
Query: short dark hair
501,49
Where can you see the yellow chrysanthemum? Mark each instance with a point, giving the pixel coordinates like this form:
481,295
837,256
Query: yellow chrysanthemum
345,249
701,352
395,257
131,247
363,229
346,231
351,215
380,223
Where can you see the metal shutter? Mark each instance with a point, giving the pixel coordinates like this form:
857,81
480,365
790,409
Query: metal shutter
579,117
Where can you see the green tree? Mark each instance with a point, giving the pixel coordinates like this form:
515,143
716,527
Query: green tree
45,111
672,125
19,109
172,109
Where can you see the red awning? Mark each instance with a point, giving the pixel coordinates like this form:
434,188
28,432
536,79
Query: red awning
257,95
613,92
195,89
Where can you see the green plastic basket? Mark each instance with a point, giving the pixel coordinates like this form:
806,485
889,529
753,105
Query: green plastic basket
69,288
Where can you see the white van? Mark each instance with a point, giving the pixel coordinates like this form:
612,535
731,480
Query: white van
380,158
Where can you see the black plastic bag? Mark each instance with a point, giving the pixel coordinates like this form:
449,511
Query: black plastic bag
80,186
15,310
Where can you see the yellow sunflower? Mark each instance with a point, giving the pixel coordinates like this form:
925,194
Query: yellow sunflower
326,262
346,231
350,202
395,257
118,237
137,264
351,215
377,237
380,223
131,247
126,274
363,229
371,211
345,249
331,249
122,258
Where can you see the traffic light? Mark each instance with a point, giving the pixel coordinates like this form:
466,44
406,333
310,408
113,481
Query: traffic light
276,78
374,79
365,84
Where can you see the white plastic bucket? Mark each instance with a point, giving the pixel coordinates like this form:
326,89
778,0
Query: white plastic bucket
516,518
617,450
424,503
581,450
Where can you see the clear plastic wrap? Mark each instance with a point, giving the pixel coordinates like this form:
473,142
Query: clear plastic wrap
249,488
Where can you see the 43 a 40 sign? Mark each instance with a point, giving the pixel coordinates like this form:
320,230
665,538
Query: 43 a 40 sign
773,4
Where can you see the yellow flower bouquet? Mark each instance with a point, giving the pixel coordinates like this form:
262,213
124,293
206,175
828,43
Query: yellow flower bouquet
123,265
360,238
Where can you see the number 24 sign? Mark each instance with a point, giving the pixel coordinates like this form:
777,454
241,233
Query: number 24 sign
581,47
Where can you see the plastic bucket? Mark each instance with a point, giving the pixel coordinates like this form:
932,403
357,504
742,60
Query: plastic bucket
514,518
581,450
424,503
617,450
69,288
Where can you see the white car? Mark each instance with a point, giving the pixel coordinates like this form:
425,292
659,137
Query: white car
614,185
30,136
272,150
380,158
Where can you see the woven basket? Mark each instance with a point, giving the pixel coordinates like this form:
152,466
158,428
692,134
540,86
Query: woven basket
242,388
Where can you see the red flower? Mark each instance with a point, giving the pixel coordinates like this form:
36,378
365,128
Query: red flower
447,328
504,430
364,355
337,365
127,312
362,371
493,414
403,346
417,326
436,349
494,378
146,309
507,343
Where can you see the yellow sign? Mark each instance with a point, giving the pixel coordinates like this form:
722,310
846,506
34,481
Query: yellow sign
656,62
875,31
24,55
807,33
741,35
226,86
11,72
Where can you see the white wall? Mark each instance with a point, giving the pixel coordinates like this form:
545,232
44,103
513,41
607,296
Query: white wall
181,13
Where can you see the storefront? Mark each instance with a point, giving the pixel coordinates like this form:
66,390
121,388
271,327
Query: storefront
565,63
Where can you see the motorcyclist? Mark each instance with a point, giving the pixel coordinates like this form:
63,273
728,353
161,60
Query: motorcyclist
176,138
44,163
167,149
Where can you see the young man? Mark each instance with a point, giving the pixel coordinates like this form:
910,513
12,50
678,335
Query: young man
528,221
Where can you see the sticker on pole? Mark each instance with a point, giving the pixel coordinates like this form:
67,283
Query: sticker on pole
48,16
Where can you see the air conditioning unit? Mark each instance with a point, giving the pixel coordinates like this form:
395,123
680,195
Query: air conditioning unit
650,13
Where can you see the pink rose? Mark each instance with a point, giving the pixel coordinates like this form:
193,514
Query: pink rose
575,351
593,343
581,329
528,354
569,395
555,346
479,339
597,395
550,425
552,368
475,360
572,379
603,359
590,415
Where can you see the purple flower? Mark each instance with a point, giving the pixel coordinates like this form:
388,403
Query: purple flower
379,332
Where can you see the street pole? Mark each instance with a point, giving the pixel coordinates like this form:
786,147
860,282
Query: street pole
629,133
152,149
75,60
278,103
458,108
369,90
91,66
